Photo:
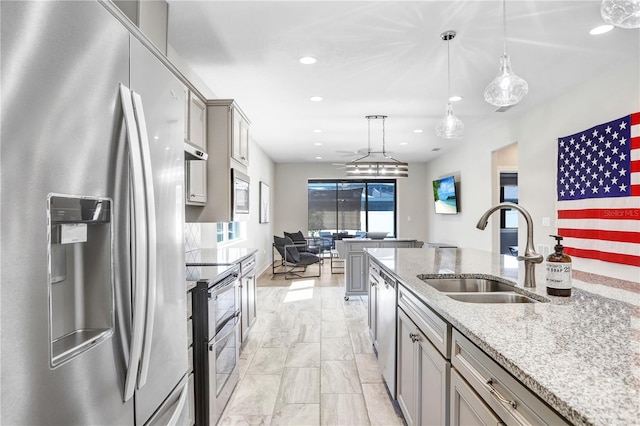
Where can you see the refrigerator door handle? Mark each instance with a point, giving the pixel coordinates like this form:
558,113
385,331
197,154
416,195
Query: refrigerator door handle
151,238
139,250
180,407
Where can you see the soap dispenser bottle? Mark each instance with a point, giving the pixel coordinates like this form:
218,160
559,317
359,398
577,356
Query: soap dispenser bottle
558,271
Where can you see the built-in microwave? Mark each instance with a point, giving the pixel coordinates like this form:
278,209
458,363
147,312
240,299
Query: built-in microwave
239,194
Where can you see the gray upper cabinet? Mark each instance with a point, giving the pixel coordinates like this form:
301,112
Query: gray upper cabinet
240,138
196,129
195,133
196,177
230,137
227,128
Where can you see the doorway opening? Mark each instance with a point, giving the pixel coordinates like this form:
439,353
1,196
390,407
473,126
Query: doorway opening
509,217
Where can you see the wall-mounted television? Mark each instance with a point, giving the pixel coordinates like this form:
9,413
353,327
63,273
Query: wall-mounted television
444,194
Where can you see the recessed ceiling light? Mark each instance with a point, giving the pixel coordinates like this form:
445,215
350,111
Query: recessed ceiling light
317,131
418,131
318,143
404,143
601,29
455,98
315,98
308,60
318,158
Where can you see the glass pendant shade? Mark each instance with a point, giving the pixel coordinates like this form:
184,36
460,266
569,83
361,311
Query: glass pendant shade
450,127
621,13
507,88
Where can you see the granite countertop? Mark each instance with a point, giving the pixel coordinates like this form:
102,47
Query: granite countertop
199,261
219,256
579,354
211,273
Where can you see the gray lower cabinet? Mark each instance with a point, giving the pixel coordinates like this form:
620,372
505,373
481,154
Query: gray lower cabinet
374,288
357,263
467,408
510,400
247,296
355,274
248,305
423,376
470,389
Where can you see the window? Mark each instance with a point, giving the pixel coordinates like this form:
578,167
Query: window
228,231
351,206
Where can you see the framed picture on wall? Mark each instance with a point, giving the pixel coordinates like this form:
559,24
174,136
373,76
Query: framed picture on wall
264,203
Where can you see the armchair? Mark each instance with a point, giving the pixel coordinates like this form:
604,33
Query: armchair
292,262
303,244
326,240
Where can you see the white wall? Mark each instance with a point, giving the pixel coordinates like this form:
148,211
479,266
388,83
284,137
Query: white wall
290,212
259,235
612,95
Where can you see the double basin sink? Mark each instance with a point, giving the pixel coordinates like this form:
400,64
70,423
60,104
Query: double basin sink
477,290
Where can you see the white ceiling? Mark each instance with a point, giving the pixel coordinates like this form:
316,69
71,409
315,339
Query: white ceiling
384,57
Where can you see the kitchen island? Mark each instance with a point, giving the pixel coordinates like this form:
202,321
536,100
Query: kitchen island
580,355
352,251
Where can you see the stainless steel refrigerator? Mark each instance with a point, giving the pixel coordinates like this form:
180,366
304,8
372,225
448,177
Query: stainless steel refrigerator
93,303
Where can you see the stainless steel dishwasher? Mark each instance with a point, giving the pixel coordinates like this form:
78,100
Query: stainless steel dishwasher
386,330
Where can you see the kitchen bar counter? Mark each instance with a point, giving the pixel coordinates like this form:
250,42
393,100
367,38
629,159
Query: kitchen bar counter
580,354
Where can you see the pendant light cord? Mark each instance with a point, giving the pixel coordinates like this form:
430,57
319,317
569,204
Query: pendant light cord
369,136
504,25
448,72
384,153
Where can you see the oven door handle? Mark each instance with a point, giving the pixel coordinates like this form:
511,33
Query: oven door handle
233,330
215,291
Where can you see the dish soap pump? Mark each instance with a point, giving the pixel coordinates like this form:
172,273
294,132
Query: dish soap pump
558,271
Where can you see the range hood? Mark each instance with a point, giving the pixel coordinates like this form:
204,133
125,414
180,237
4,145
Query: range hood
193,153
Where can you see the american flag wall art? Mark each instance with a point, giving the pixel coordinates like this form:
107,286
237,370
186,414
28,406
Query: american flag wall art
598,187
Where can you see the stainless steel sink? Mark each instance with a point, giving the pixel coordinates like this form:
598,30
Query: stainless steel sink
477,290
467,285
492,298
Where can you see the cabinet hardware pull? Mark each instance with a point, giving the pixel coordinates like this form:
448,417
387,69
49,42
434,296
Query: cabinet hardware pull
497,394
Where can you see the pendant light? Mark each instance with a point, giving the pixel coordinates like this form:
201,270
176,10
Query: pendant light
507,88
621,13
450,127
369,167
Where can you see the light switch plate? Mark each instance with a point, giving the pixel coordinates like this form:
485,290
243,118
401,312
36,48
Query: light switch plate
546,221
544,250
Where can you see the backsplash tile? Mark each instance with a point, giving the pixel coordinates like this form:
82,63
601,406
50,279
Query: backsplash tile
192,237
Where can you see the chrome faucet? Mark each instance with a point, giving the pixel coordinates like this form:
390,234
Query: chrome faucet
531,257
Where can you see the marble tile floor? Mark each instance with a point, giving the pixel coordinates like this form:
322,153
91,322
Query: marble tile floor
309,361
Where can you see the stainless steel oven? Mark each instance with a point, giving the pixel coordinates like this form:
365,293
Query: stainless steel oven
216,305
